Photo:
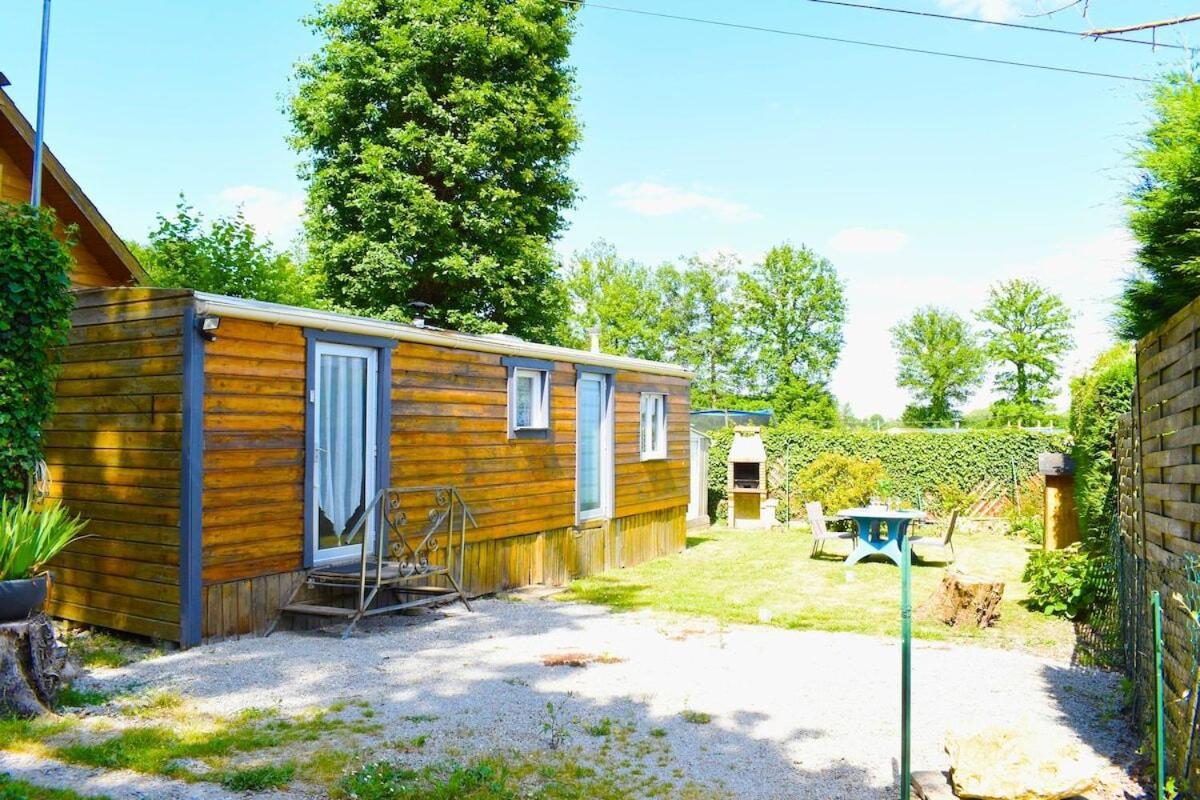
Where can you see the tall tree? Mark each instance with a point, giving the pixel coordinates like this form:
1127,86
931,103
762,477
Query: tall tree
224,257
1027,332
941,364
436,138
710,340
793,308
619,296
1164,205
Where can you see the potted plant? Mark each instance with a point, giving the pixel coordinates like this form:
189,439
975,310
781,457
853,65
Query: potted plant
31,533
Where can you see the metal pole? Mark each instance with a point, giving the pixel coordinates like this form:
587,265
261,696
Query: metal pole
1160,759
39,134
906,671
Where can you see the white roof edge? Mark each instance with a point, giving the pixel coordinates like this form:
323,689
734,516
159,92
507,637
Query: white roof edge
238,308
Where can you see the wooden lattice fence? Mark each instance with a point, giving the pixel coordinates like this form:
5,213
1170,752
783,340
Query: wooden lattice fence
1157,546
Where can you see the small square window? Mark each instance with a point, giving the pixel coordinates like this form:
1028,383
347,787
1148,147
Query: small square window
529,399
654,426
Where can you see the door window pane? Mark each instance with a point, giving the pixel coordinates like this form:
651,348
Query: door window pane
341,448
590,421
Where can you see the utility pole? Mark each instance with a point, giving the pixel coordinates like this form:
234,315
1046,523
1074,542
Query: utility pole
39,133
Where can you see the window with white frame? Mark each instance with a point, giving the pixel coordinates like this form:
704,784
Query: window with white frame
654,426
529,399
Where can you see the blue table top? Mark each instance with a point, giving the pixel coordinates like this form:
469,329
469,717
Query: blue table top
880,513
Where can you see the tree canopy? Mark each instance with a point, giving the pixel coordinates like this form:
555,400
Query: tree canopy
224,257
793,309
940,363
1163,211
436,137
1027,331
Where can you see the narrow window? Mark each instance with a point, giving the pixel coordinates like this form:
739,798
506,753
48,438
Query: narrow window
654,426
528,406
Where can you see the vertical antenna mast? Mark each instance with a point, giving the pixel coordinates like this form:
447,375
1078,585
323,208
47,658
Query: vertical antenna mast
39,133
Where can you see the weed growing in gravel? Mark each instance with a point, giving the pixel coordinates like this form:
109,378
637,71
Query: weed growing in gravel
11,789
410,745
554,727
658,733
260,778
696,717
601,728
421,718
487,780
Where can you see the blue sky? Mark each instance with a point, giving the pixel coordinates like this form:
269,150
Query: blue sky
924,179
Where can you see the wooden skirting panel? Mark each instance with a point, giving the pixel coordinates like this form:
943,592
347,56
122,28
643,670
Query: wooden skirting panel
247,607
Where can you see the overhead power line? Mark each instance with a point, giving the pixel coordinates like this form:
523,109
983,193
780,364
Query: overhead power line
857,42
1097,36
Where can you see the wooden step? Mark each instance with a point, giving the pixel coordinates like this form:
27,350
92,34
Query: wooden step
319,610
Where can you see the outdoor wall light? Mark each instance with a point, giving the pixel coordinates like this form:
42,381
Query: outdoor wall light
208,328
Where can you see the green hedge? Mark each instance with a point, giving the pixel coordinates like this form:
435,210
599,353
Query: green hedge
1098,398
915,462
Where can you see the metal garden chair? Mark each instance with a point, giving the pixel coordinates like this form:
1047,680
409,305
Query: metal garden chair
945,543
820,531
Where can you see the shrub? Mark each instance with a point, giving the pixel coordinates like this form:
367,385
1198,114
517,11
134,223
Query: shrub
1026,517
947,497
1067,582
1098,398
35,308
838,481
31,535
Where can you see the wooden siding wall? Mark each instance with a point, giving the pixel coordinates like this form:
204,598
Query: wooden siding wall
114,450
253,512
449,426
246,607
14,188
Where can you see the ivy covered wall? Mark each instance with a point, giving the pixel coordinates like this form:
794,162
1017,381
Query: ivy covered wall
916,463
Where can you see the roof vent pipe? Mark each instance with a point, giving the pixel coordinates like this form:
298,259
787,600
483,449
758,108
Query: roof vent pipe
420,311
595,334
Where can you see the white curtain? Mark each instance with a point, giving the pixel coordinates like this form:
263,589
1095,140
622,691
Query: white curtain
341,438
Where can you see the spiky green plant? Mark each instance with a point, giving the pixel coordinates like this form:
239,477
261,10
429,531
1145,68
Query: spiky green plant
32,533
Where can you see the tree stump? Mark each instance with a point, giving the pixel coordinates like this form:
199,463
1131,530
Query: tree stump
32,661
966,600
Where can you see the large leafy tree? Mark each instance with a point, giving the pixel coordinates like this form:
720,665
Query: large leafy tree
224,257
940,363
1027,331
1165,211
711,340
793,309
619,296
436,135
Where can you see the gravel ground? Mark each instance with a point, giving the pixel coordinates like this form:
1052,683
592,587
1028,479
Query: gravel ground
794,714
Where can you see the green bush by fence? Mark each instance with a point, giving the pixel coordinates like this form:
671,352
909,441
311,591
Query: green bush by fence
915,463
1098,398
35,308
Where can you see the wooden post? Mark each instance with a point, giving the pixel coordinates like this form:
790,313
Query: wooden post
1060,519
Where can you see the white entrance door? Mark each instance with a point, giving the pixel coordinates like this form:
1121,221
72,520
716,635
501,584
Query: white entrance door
344,448
593,447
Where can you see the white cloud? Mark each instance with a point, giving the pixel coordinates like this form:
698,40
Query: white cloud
656,200
274,214
992,10
868,241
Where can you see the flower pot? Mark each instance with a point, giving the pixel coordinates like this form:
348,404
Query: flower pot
21,598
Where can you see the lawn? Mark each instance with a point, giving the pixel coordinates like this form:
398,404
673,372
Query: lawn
768,577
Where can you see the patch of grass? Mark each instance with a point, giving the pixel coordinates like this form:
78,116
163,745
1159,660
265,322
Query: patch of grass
421,718
72,697
486,780
696,717
96,648
658,733
410,745
602,728
736,576
259,778
12,789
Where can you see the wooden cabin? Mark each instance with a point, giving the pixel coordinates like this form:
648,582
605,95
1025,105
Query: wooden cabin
187,431
190,431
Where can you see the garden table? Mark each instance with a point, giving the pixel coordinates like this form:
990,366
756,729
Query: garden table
873,521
